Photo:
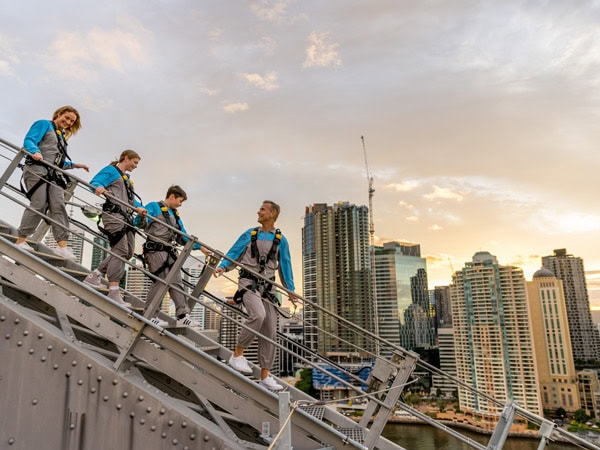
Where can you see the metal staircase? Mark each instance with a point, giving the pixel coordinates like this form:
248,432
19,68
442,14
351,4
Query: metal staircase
78,371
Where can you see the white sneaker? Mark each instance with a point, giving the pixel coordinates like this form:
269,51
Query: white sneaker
25,246
159,323
187,321
93,279
64,252
240,364
115,295
271,384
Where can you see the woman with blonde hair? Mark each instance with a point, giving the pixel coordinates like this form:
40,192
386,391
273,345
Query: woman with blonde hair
44,186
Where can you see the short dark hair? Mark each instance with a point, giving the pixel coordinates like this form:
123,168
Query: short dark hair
177,191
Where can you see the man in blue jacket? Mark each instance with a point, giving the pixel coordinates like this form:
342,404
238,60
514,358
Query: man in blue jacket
263,250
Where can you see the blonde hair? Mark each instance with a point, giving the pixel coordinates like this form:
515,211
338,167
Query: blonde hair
75,126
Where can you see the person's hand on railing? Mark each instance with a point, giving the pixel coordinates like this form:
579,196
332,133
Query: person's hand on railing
81,166
37,156
218,272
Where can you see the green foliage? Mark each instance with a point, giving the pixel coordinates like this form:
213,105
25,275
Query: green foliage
560,412
305,383
580,416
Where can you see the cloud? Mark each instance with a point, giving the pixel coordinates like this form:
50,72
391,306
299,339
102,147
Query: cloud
268,82
404,186
235,107
444,193
208,91
82,56
270,10
412,219
8,57
436,227
320,52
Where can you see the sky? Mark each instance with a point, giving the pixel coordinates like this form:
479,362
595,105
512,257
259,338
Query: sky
480,118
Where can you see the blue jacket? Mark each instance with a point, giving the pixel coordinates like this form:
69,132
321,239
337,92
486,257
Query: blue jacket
285,260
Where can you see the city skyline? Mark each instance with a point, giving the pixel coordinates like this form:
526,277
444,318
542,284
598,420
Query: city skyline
479,119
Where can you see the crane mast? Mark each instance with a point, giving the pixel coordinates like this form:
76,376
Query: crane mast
372,245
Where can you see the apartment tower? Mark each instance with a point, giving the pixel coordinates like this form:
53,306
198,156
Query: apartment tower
550,327
337,277
492,336
585,340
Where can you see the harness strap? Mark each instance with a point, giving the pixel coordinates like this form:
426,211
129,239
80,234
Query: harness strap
153,247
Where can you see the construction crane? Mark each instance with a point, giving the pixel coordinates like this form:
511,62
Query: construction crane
372,244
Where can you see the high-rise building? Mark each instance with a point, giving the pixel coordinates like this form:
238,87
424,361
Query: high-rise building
137,283
99,251
403,306
492,337
447,362
337,277
587,382
585,340
553,356
443,311
75,241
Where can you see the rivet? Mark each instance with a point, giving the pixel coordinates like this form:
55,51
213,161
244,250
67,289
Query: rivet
7,336
186,448
162,410
19,343
68,374
174,441
2,318
55,366
89,366
93,390
115,381
72,426
141,398
26,333
79,382
11,441
43,359
97,324
153,428
149,409
31,351
105,398
183,424
73,363
64,350
125,395
49,348
41,336
142,421
170,423
163,435
17,320
119,406
99,378
34,401
132,414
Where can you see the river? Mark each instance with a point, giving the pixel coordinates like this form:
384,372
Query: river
424,437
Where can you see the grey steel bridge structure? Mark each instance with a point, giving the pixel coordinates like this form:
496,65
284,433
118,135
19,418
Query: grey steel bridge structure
79,371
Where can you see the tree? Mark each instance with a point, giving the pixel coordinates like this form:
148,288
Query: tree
560,412
305,383
580,416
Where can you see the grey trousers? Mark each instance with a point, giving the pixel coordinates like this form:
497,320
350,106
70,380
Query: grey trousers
262,318
112,266
48,196
155,260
